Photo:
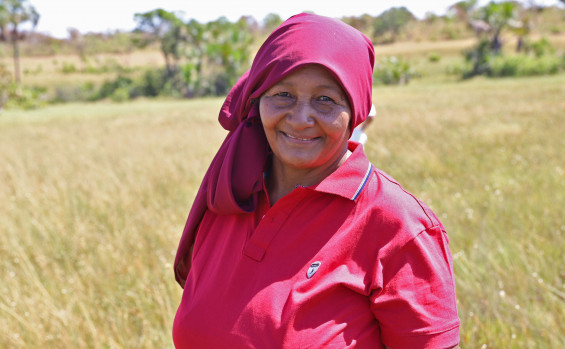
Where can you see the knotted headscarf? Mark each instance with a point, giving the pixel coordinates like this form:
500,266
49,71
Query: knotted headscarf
235,176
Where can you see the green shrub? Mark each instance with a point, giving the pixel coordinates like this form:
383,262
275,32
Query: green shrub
25,97
539,59
174,87
522,65
555,30
539,48
109,87
454,69
13,95
151,83
75,93
434,57
68,68
38,70
478,59
121,94
393,71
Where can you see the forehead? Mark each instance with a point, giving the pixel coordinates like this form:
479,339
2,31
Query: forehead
311,75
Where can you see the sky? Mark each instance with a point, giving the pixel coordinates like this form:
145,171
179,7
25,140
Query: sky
102,16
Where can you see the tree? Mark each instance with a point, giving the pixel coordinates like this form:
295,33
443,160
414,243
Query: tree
498,16
14,13
166,28
363,23
464,9
195,55
228,52
77,41
489,22
272,21
522,27
392,21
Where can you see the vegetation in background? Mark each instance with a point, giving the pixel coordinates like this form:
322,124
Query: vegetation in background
203,59
13,14
15,95
228,54
525,65
488,58
200,59
167,30
497,17
387,26
271,22
393,71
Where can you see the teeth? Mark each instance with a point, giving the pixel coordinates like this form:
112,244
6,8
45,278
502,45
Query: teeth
302,139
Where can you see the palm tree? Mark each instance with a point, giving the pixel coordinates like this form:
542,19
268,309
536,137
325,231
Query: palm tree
498,16
13,13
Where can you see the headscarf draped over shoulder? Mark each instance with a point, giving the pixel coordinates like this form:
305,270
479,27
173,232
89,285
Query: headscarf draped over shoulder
234,179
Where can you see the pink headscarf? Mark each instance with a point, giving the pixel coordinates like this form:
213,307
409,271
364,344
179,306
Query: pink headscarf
235,176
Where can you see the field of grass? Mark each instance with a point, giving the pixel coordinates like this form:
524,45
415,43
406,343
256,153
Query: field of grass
488,156
95,196
49,71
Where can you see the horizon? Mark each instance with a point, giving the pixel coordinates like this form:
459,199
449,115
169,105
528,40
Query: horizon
58,16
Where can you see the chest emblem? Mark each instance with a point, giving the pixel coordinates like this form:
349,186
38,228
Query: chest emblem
313,269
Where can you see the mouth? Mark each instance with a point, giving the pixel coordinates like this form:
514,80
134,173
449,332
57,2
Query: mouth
299,138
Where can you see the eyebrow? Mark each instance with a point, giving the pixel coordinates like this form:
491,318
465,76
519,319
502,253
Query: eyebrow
336,88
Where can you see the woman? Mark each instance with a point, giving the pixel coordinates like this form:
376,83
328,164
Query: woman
295,240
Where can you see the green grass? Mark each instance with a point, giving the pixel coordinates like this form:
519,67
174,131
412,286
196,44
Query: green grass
95,196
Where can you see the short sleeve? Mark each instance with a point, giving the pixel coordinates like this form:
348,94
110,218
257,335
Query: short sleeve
413,297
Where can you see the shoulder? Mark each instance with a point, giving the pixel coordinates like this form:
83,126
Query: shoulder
394,212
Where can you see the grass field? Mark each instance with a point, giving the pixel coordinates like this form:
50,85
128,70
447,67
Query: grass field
95,196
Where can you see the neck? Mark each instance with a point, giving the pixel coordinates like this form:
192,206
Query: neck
282,179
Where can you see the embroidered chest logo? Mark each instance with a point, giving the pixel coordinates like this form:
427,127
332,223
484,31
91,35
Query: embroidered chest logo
313,269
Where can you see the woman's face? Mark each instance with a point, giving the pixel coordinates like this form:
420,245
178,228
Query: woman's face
306,117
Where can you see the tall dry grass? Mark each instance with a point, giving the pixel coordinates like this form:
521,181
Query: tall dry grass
94,198
93,202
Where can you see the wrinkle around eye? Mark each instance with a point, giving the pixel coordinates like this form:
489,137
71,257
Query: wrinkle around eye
281,100
329,102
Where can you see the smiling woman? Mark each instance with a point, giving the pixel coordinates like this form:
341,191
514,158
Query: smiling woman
306,118
295,239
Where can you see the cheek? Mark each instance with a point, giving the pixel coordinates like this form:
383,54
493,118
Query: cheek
340,127
267,116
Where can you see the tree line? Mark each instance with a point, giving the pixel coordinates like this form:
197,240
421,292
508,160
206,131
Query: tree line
207,58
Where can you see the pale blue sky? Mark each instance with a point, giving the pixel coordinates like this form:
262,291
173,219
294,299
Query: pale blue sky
108,15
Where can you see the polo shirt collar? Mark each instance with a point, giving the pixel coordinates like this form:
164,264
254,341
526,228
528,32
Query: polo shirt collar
350,178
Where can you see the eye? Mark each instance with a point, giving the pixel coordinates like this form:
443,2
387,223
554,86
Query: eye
326,99
282,94
280,97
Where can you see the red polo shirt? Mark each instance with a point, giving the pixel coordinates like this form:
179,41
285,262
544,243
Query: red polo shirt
355,261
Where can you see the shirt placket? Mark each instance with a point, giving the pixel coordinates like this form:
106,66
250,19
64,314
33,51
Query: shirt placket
269,226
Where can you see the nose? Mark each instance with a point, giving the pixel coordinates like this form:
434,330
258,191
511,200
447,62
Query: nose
301,115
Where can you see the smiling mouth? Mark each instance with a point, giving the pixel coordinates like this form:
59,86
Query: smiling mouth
299,138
